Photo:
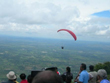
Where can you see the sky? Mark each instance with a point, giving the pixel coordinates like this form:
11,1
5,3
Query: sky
88,19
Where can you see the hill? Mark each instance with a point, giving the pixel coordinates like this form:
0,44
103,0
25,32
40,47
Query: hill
23,54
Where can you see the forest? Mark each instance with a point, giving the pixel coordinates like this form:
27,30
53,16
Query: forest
24,54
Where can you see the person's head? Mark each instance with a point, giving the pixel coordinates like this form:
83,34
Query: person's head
47,77
91,68
68,69
102,74
29,78
83,67
11,75
23,76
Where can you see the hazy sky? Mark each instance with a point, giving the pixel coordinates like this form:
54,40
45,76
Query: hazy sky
88,19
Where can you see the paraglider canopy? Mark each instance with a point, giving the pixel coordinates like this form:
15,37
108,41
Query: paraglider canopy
73,35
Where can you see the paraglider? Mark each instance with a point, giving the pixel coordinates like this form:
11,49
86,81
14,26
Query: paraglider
70,32
73,35
62,47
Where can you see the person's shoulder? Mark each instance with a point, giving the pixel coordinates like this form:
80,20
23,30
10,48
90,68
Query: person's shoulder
84,71
4,82
94,73
104,81
26,81
8,81
21,81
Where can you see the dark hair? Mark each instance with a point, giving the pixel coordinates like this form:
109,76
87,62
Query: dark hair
56,68
47,77
68,69
91,67
83,66
23,76
29,78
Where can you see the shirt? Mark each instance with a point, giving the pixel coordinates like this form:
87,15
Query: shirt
84,76
94,74
9,81
104,81
24,81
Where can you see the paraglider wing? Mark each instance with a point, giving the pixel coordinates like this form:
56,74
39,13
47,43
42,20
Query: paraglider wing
74,36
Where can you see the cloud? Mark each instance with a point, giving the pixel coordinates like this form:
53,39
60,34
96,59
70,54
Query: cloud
36,13
101,32
94,26
41,18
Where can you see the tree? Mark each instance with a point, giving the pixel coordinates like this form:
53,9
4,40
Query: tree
105,65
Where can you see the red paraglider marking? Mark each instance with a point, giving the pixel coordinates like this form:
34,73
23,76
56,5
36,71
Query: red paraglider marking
74,36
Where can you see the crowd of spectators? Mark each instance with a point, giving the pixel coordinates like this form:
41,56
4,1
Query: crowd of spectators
54,76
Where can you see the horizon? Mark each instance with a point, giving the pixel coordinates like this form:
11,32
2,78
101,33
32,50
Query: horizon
61,39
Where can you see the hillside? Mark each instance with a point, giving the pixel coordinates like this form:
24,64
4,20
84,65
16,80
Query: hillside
27,54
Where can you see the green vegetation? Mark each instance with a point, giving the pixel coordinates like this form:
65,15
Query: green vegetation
105,65
26,54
